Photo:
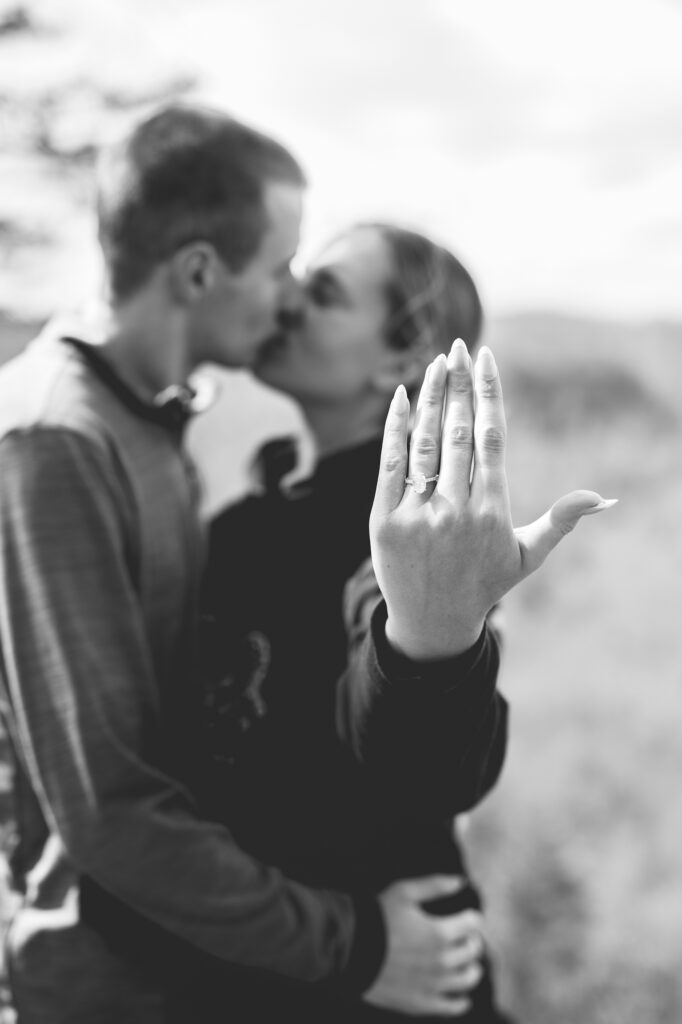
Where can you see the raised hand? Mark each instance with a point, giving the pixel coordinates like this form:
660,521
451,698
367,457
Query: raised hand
443,545
432,963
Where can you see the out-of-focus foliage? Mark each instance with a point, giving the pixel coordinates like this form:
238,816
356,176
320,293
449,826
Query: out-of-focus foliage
578,848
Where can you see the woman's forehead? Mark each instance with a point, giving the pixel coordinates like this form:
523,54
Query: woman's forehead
358,256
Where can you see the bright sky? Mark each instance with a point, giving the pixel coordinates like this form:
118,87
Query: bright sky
541,140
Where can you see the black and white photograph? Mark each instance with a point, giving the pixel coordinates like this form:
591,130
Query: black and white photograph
340,505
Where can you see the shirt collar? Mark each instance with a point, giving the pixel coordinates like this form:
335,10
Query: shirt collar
171,408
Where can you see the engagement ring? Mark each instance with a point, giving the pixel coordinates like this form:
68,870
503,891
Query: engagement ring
419,481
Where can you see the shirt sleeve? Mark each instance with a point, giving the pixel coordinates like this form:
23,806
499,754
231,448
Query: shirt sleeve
432,735
86,710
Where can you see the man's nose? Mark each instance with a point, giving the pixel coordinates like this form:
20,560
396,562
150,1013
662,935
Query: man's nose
291,306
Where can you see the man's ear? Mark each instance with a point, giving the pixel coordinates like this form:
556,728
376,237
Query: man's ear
400,366
192,272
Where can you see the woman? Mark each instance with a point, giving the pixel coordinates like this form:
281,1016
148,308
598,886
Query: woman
287,767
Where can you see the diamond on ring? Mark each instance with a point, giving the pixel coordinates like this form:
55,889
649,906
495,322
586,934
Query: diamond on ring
419,481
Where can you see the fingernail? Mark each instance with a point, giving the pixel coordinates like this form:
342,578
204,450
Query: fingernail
600,506
486,362
400,398
439,364
459,360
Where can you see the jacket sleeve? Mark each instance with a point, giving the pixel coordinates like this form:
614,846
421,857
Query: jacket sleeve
86,710
432,736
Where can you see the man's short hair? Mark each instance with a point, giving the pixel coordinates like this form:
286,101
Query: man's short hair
186,173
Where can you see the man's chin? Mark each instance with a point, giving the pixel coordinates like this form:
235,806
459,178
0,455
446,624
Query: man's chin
270,351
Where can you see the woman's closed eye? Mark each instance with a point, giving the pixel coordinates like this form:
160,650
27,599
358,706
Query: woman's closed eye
323,289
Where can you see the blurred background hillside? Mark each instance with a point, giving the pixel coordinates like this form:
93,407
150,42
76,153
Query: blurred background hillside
543,143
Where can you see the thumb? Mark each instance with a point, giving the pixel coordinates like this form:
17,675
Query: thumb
539,538
418,890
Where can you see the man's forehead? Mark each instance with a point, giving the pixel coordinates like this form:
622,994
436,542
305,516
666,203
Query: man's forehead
283,203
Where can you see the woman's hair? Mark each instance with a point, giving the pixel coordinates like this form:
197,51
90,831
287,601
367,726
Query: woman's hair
432,298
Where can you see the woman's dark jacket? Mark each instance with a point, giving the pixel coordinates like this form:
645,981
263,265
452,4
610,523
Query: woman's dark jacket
340,787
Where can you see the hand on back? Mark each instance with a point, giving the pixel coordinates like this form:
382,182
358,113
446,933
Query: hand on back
432,962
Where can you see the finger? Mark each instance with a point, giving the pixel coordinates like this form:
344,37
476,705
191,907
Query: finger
443,1006
458,427
419,890
539,538
393,463
425,441
490,431
464,980
458,927
463,954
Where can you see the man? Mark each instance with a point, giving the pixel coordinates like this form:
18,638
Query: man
199,218
101,554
